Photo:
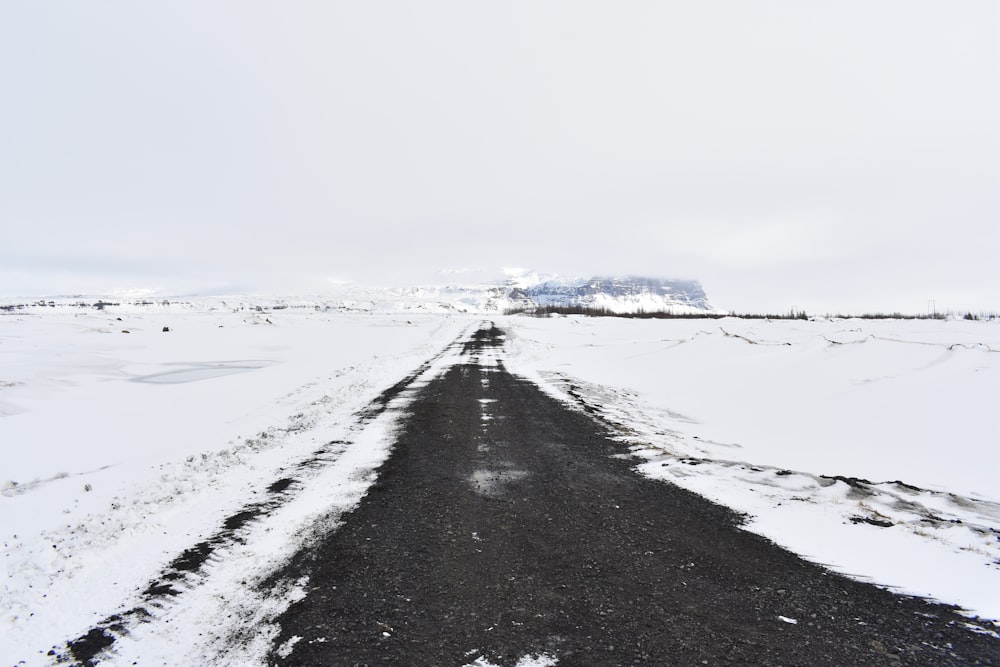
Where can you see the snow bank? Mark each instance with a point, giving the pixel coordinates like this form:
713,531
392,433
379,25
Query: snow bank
121,450
868,446
766,416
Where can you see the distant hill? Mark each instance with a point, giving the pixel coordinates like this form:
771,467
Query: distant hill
618,295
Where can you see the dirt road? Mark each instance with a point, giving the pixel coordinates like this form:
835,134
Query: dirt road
505,525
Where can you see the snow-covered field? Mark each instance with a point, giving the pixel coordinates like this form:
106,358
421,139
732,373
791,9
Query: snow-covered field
121,450
870,446
765,416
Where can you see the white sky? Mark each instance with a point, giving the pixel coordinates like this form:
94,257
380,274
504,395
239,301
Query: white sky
835,155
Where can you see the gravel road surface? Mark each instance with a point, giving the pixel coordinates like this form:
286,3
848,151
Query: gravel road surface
507,525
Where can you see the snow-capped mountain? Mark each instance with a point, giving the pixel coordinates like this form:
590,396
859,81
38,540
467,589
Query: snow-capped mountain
520,291
618,295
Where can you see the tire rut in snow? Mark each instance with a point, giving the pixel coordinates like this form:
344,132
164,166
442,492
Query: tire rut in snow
505,525
182,570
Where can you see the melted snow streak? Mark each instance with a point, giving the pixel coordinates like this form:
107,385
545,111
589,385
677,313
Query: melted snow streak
187,571
183,571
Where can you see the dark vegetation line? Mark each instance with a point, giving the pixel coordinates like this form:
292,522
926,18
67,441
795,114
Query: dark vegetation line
545,311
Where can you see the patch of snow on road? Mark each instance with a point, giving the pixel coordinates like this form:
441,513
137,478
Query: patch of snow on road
285,649
541,660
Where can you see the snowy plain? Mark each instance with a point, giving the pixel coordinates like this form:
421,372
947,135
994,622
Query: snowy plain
869,446
121,450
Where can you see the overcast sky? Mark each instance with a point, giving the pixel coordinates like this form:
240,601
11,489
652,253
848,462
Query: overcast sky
825,155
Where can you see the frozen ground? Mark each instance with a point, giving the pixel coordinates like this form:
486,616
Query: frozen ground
121,450
870,446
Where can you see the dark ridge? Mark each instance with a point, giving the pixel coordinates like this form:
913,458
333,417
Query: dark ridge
160,590
88,646
853,482
906,486
238,520
319,457
874,522
193,558
281,485
574,392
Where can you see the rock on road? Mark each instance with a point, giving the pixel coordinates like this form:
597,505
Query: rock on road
505,524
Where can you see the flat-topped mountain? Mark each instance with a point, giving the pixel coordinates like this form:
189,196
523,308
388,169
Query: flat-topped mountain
620,295
616,295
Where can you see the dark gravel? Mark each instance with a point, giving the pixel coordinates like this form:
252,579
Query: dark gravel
523,534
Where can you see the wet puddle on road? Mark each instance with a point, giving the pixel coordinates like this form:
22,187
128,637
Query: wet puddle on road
491,482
